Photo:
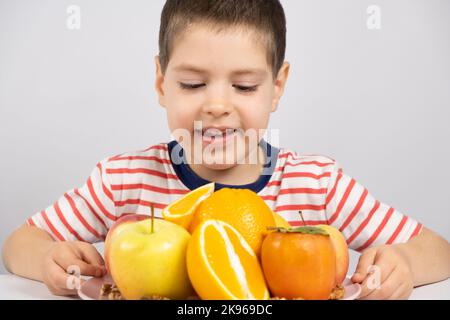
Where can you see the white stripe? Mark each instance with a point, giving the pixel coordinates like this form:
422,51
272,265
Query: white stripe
58,224
350,204
84,211
359,218
40,223
371,227
388,229
407,231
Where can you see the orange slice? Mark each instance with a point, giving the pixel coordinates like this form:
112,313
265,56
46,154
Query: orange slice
222,265
280,221
182,210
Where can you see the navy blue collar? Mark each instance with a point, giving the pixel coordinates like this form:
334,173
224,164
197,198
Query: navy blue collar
191,180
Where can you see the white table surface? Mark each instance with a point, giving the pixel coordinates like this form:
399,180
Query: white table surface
14,287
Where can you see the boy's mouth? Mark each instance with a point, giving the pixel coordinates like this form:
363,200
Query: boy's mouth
220,135
216,132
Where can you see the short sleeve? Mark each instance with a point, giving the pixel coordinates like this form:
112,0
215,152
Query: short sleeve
364,220
83,214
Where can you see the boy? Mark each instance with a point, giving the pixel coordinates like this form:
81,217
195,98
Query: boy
221,64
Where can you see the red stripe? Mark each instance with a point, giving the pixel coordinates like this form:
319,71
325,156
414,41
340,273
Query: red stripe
116,156
274,183
269,198
148,158
140,202
105,190
316,163
303,190
31,222
305,175
342,202
287,154
142,170
81,219
157,147
397,231
294,154
64,221
307,222
416,230
364,223
355,210
116,187
377,231
98,203
91,208
51,227
300,207
333,191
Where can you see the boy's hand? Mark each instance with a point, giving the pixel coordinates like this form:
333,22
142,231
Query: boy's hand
62,257
384,273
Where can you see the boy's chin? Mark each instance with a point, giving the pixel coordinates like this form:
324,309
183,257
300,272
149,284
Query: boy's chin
218,166
218,163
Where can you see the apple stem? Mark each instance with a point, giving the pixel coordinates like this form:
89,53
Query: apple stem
152,218
301,216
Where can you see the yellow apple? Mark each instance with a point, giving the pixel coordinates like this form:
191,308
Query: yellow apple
147,259
341,249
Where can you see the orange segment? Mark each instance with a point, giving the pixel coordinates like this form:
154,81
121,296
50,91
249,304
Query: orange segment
182,210
280,221
222,265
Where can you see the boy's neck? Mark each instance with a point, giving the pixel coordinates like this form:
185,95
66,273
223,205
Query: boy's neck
239,174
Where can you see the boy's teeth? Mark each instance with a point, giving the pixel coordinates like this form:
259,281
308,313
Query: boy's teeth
216,132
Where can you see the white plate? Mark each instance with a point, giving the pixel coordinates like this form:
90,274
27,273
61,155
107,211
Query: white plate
90,289
352,290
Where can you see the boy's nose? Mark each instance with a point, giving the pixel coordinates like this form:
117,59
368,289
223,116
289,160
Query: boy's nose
217,108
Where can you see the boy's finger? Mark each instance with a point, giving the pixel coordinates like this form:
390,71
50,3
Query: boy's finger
366,260
60,282
384,266
384,290
374,281
79,267
88,269
90,254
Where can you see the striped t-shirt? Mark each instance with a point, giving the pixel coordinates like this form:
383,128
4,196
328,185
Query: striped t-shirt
129,183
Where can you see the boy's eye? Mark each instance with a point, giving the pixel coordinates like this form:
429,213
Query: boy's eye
245,88
191,85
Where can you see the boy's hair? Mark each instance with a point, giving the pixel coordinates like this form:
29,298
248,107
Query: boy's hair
266,17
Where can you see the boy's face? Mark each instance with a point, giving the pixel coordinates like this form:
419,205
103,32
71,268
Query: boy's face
224,81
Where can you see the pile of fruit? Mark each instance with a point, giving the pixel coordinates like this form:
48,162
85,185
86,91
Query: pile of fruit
226,244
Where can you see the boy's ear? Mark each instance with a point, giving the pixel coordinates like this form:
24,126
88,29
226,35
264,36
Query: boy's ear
159,80
280,83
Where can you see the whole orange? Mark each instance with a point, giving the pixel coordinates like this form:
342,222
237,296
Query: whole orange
241,208
299,263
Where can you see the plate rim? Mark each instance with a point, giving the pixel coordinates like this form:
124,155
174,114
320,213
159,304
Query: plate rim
352,297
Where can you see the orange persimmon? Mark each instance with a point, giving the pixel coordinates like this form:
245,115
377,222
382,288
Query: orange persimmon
299,263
